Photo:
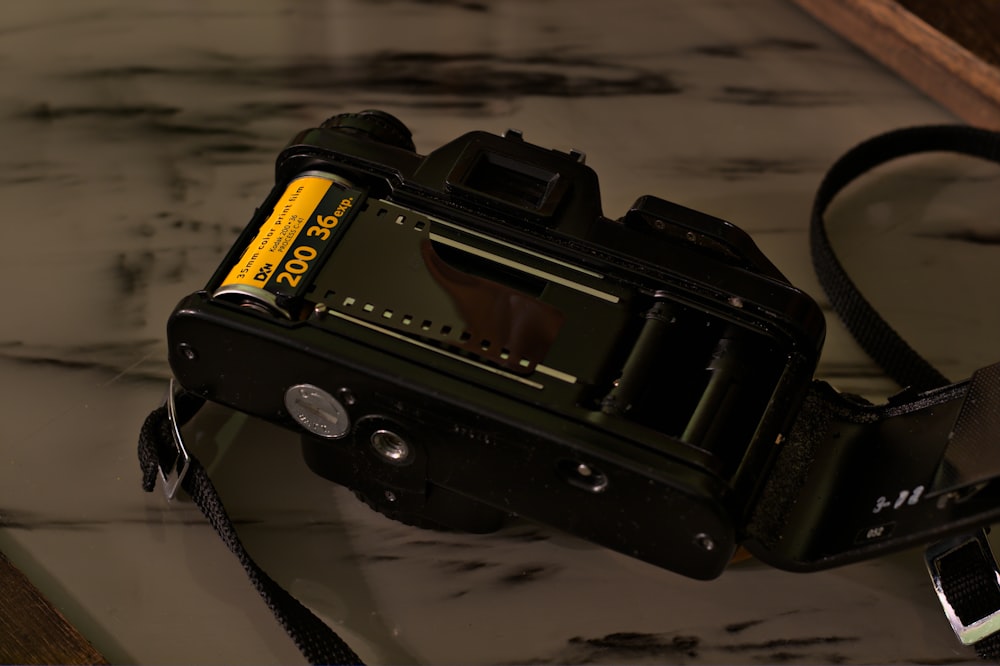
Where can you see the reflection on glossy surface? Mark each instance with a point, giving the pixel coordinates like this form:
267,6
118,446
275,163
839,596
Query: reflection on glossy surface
139,138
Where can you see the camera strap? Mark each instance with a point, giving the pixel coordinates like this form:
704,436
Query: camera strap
162,452
962,416
882,343
963,569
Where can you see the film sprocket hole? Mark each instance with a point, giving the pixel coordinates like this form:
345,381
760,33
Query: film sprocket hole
464,336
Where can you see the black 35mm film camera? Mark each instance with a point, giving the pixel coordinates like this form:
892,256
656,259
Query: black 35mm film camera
464,336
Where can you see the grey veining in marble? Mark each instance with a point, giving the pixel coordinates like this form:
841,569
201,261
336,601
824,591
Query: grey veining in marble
137,139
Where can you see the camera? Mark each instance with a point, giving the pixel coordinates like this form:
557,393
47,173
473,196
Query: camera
464,336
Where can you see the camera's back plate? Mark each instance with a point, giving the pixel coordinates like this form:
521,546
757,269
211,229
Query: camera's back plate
465,336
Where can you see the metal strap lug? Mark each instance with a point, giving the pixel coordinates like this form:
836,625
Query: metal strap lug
173,475
967,581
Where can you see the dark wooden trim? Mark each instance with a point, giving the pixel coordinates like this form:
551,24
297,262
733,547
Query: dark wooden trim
946,49
32,631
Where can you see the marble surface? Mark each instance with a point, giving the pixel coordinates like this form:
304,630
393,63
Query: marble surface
138,138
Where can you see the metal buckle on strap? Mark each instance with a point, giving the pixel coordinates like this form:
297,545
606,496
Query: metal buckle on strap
964,564
173,474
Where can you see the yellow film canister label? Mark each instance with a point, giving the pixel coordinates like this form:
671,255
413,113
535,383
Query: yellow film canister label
293,242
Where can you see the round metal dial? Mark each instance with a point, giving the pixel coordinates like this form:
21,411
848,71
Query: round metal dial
317,411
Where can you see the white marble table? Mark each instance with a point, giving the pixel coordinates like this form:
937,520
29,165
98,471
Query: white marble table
138,137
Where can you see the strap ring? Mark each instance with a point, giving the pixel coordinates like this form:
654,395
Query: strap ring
174,474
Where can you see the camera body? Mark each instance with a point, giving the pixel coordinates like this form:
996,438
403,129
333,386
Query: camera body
464,336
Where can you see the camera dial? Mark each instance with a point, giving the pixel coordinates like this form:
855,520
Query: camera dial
377,125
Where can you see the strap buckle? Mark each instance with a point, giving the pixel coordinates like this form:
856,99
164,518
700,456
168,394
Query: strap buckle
967,582
172,474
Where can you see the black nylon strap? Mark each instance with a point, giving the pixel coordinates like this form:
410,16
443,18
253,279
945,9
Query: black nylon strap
872,332
970,584
965,576
961,574
988,649
318,643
